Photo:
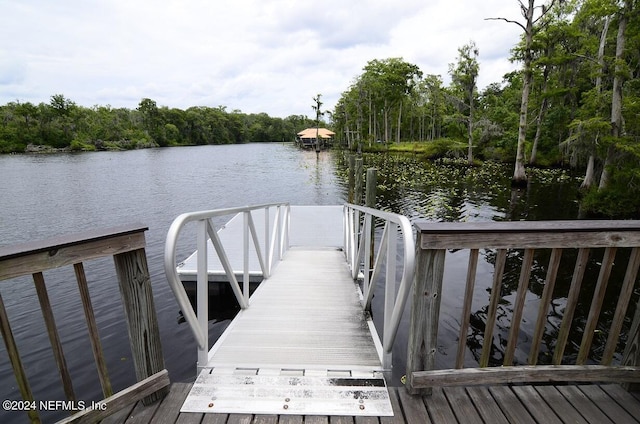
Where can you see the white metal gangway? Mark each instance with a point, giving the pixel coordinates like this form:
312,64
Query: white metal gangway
306,320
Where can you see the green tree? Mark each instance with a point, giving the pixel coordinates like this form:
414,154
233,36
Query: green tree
464,76
151,120
529,14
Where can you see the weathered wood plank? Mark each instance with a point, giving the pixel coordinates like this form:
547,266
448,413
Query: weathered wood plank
414,407
532,240
16,362
398,417
357,192
53,253
190,418
510,405
519,227
486,405
624,399
317,419
361,420
338,419
583,404
425,311
215,418
545,304
596,305
142,414
631,354
462,405
265,419
495,297
560,405
54,338
608,405
466,307
142,323
621,308
125,397
518,306
528,234
536,405
240,419
169,409
67,240
439,409
96,345
291,419
572,301
121,416
524,374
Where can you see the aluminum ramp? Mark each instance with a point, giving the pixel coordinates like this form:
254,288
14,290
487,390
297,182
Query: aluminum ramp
304,346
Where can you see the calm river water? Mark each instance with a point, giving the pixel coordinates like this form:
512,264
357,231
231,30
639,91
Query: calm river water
48,195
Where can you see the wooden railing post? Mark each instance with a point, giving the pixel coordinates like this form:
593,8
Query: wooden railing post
357,189
631,354
16,362
425,310
144,335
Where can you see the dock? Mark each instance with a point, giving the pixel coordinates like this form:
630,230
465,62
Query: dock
583,404
303,348
303,343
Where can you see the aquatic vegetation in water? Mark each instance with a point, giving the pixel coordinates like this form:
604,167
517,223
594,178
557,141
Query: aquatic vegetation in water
448,189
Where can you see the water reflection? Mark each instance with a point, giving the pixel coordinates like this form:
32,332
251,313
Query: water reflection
447,190
451,191
49,195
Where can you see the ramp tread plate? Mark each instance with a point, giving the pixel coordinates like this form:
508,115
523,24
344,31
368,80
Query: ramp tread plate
294,394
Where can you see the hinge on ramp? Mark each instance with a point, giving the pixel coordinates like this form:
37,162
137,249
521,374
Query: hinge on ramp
299,392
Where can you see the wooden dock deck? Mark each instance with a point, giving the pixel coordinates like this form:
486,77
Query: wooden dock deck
590,404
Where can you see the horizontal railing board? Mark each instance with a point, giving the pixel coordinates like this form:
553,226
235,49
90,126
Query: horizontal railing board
42,255
518,227
114,403
524,374
528,234
66,240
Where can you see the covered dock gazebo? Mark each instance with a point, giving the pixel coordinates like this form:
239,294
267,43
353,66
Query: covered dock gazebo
307,137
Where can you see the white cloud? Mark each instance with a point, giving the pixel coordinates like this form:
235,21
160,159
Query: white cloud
258,56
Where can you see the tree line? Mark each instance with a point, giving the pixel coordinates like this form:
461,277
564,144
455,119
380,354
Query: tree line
62,124
575,101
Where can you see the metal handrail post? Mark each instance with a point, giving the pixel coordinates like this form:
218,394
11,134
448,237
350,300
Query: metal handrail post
287,228
245,254
389,291
367,252
267,221
202,293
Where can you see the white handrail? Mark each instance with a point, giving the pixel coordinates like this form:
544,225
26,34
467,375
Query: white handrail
358,241
206,230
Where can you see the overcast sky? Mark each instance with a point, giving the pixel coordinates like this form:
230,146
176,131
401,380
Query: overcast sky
268,56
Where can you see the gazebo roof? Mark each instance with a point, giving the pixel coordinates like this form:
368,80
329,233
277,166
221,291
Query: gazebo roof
311,133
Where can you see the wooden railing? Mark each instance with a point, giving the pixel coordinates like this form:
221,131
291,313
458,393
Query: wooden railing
522,241
127,246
